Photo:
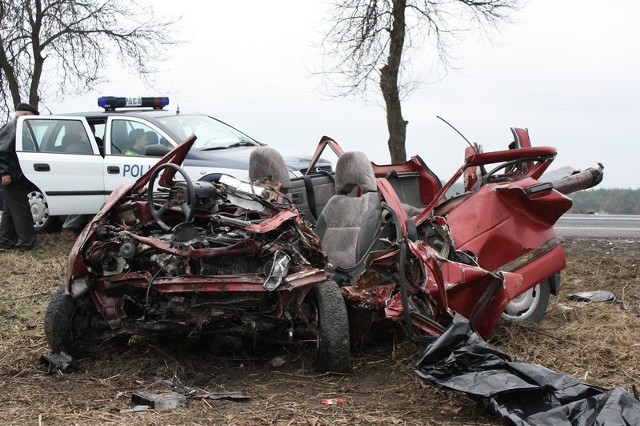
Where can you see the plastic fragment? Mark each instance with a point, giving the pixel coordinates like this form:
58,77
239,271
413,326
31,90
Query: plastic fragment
593,296
332,401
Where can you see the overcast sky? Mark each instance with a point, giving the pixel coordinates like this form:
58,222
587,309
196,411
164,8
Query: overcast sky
566,70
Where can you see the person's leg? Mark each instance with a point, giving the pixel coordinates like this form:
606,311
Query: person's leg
8,236
74,221
18,199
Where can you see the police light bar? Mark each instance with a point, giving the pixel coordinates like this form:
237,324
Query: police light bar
110,103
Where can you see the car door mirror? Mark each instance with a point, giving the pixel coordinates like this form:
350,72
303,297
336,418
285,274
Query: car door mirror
156,150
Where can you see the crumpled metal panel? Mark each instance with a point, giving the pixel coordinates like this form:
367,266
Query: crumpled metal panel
523,393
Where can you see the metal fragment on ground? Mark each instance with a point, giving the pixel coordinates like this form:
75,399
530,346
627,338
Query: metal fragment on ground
593,296
59,362
232,396
159,400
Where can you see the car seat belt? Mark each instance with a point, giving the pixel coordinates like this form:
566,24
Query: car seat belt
311,196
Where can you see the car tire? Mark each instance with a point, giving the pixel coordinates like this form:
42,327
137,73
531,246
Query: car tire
332,328
42,220
530,306
70,324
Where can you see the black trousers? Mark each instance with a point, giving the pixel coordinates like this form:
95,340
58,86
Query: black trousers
16,228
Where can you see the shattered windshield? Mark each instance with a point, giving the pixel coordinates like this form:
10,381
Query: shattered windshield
211,133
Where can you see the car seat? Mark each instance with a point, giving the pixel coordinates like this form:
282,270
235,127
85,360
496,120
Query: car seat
267,163
152,137
67,142
350,223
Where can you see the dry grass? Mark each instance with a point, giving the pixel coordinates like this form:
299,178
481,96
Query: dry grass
596,342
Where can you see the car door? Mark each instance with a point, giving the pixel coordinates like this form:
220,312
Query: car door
59,155
122,164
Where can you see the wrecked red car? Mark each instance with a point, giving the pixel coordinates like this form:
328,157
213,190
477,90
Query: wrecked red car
402,249
201,259
318,260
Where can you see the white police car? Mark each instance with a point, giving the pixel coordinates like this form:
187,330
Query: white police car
74,161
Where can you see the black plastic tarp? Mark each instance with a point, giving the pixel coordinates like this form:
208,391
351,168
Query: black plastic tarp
523,393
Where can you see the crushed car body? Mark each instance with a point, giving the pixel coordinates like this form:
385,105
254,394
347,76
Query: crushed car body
487,253
182,259
316,260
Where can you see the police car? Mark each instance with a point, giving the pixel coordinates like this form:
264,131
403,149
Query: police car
74,161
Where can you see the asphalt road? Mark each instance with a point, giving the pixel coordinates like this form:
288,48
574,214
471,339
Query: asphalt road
604,226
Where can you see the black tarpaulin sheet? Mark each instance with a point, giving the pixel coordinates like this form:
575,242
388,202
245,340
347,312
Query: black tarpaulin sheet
525,394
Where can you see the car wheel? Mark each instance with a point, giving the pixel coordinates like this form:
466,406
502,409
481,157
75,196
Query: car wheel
42,220
73,325
530,306
327,314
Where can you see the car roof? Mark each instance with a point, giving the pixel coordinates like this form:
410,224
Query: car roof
148,114
140,113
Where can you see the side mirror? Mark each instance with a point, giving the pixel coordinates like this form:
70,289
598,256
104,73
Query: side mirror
156,150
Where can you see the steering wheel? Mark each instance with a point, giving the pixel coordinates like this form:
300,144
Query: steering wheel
186,205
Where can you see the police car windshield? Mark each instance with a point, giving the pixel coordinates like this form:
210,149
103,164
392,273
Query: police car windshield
211,133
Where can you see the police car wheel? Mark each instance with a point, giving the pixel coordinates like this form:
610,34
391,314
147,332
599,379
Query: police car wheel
42,220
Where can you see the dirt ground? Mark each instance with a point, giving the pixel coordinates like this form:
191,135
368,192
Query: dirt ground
596,342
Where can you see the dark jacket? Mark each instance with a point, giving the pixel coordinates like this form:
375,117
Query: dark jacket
9,164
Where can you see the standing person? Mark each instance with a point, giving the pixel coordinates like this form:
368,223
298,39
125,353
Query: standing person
16,229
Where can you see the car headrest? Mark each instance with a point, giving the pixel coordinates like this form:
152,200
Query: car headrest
354,170
266,162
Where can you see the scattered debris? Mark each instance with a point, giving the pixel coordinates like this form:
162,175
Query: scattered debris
135,409
520,392
159,400
564,307
332,401
168,395
59,363
231,396
278,361
593,296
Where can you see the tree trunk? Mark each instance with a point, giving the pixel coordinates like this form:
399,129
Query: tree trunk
38,60
396,125
9,73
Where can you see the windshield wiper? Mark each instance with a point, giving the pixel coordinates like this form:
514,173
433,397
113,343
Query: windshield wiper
233,145
242,143
213,148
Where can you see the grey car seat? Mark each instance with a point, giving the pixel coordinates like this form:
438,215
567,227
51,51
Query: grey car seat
350,222
267,163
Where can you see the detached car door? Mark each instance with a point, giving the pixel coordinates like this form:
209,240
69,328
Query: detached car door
59,155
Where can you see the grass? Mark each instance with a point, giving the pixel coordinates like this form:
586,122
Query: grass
598,343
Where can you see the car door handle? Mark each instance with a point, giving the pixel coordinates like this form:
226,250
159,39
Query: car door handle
113,170
41,167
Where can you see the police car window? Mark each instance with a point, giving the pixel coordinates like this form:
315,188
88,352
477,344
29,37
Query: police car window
33,134
98,128
132,137
73,139
211,133
29,137
48,135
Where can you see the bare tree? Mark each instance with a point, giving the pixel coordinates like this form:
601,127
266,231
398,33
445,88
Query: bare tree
60,47
368,40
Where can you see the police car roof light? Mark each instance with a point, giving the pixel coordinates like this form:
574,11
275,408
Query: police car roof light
110,103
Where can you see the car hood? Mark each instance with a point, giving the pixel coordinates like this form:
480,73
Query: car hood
238,158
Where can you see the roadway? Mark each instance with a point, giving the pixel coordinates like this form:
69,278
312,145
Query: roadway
599,226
